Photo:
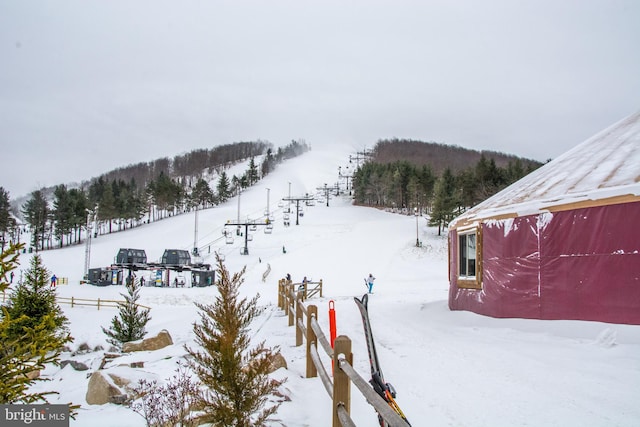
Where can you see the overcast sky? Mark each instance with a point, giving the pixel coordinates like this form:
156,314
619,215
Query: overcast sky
90,85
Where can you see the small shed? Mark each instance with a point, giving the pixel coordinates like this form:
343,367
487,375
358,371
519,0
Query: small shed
562,242
105,276
202,277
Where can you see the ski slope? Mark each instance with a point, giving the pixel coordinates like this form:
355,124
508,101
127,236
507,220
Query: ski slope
449,368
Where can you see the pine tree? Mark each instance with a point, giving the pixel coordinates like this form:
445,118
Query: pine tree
130,323
224,192
32,331
444,203
36,212
6,220
32,301
235,376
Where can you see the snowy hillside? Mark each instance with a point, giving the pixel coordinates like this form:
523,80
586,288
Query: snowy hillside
449,368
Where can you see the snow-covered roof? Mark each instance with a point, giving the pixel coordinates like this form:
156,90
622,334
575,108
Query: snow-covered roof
603,169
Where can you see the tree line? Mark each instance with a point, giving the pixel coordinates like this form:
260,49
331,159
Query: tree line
130,196
412,185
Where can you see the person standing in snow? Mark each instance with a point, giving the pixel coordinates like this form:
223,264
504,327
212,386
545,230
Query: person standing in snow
369,281
54,281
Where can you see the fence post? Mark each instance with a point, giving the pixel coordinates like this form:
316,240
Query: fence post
320,288
341,382
285,299
298,318
280,291
71,302
291,303
98,303
312,311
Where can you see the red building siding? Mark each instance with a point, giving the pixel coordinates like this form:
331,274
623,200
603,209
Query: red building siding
579,264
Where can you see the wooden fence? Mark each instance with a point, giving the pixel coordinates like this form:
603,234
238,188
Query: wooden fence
308,289
344,374
94,302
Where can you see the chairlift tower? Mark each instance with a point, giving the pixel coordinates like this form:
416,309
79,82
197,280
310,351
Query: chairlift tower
347,176
298,200
326,192
245,250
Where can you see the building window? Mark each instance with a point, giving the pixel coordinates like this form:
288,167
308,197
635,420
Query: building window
469,259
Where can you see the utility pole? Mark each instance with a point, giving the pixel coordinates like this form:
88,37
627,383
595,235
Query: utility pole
268,213
91,216
297,200
238,229
195,234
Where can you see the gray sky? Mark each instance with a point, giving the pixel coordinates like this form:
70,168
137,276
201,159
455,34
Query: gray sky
90,85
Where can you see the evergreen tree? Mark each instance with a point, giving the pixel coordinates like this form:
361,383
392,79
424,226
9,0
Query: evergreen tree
32,331
33,300
6,220
107,207
252,172
201,195
223,189
235,376
62,213
130,323
79,211
444,203
36,212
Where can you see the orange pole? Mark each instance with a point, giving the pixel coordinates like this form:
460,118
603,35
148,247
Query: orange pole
332,322
332,326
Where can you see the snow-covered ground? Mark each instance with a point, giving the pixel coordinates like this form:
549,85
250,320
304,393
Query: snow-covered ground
449,368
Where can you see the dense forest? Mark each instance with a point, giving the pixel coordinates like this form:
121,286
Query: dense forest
129,196
437,179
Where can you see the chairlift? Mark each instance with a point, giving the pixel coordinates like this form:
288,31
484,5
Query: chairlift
229,239
280,204
285,216
253,227
249,237
268,228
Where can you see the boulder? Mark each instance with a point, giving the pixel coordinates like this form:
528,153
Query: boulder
33,374
106,388
163,339
78,366
277,362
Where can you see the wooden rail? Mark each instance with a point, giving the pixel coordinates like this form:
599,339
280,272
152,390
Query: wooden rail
344,374
94,302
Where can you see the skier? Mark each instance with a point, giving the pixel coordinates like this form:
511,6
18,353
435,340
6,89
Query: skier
54,281
369,281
